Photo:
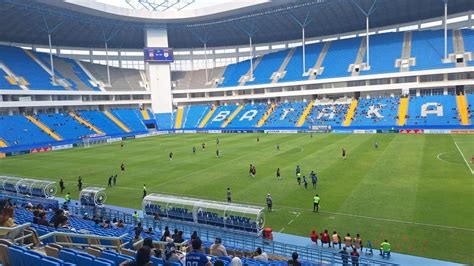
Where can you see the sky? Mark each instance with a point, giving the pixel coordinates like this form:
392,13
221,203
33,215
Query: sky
195,5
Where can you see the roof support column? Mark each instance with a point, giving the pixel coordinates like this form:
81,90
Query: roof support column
205,62
445,29
50,30
367,35
251,57
204,40
107,63
53,76
303,25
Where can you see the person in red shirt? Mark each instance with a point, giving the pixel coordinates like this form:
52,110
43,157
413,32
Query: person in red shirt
314,237
325,238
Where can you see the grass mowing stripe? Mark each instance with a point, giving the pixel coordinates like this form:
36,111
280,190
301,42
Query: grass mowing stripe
464,158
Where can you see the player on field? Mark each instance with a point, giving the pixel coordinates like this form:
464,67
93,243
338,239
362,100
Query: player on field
316,201
250,170
269,201
109,183
115,179
254,171
122,168
298,169
305,182
217,141
298,178
61,185
194,150
203,145
343,153
144,190
278,173
314,179
217,153
278,147
376,145
121,144
229,195
258,139
79,183
311,134
171,156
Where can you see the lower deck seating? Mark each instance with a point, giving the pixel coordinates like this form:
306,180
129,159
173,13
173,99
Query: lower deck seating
65,125
101,121
132,118
194,114
221,114
327,114
17,130
433,110
248,116
376,111
286,115
165,120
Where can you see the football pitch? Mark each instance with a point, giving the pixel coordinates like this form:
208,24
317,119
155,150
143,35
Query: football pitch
417,191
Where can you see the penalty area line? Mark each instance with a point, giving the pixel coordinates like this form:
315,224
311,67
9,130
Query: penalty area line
464,158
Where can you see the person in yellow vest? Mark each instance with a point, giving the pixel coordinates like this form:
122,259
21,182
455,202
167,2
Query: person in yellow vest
336,239
385,249
136,216
316,200
348,240
67,198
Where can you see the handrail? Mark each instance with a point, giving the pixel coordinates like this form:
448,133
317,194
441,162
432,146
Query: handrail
86,236
18,227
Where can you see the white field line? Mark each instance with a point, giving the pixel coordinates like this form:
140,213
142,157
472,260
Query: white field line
464,158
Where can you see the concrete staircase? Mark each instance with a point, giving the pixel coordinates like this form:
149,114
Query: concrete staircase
350,113
402,111
359,64
406,60
207,117
316,69
3,143
86,123
179,117
462,110
43,127
145,114
266,115
247,77
116,121
281,71
305,114
232,116
13,79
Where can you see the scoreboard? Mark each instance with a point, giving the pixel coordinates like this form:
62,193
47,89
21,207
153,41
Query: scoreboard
153,54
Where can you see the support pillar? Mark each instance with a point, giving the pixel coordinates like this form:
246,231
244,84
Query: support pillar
53,76
446,29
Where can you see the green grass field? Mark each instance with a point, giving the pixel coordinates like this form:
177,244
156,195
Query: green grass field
417,191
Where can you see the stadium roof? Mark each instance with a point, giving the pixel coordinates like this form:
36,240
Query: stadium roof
86,23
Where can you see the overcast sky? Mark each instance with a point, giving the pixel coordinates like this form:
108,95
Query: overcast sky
196,4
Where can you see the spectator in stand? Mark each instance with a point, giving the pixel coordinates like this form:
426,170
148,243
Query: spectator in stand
35,216
58,213
355,257
358,242
260,256
175,234
120,224
170,252
325,238
42,219
107,224
148,242
6,219
344,256
142,258
97,223
236,261
217,249
138,231
348,240
314,237
149,231
165,236
194,236
179,238
196,257
294,260
336,239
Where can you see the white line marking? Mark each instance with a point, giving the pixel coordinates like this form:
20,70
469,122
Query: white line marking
281,230
437,156
464,158
290,222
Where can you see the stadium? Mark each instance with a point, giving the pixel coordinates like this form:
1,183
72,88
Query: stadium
259,133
